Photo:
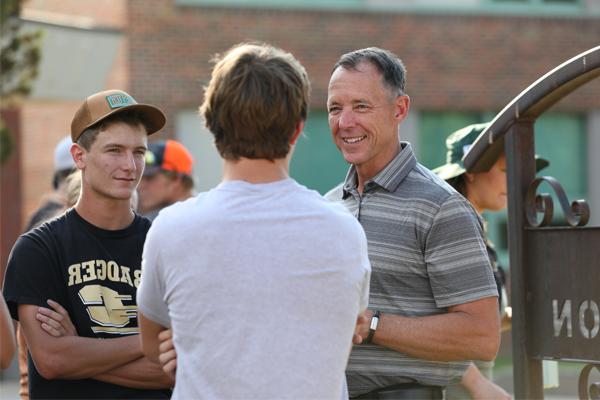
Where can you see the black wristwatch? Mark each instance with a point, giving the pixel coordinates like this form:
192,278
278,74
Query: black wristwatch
373,327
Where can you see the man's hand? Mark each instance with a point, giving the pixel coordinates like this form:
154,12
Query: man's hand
55,322
488,390
363,322
480,387
167,356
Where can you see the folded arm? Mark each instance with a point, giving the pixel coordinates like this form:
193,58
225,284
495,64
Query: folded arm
469,331
139,373
73,357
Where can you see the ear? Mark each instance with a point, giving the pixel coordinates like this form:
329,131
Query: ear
401,107
297,132
78,153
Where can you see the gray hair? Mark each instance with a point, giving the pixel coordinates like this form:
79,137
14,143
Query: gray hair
387,63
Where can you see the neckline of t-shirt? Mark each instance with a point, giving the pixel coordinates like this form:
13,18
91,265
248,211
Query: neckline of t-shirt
245,185
105,232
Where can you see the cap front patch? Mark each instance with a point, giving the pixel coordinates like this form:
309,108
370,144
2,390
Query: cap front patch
119,100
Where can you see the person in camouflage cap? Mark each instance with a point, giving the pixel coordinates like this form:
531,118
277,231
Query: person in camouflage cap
485,191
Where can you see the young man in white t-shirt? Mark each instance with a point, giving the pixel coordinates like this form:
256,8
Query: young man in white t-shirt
260,279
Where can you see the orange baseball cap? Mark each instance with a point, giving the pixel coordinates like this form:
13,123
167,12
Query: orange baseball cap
168,155
100,106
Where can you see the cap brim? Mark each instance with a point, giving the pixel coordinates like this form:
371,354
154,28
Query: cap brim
540,163
151,170
492,153
449,171
154,118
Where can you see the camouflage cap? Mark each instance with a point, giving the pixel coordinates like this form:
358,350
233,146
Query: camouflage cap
458,144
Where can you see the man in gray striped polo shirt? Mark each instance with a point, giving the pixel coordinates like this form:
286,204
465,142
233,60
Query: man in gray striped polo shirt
433,300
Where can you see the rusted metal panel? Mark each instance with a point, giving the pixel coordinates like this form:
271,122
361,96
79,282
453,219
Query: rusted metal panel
563,293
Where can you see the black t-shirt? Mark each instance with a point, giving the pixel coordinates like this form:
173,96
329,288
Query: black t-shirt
94,274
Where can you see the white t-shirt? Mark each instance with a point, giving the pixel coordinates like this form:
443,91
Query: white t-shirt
262,285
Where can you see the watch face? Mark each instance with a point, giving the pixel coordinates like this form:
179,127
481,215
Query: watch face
374,322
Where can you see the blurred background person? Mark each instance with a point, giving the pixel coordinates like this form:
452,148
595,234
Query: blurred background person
54,203
7,335
486,191
167,178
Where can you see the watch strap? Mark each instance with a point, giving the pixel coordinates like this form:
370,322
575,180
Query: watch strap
373,327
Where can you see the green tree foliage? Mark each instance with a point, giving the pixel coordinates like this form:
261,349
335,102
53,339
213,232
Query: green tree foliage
19,59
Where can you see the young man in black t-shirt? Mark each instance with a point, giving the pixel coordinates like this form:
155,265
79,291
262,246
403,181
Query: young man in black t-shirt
88,260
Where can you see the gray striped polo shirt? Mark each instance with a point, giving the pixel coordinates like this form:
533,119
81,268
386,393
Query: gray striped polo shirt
427,253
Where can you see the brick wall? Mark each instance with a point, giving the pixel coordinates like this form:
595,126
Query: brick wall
105,13
43,124
10,188
454,62
466,63
118,77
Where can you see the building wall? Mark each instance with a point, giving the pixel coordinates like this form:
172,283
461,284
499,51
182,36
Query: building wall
468,65
455,62
90,13
43,125
10,188
77,61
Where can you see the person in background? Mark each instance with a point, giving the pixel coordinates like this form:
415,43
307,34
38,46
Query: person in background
433,299
8,343
260,279
486,191
54,203
167,178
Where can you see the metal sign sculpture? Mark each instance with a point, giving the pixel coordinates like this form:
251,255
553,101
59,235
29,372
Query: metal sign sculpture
555,271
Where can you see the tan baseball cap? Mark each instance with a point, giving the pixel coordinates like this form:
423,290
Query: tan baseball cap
99,106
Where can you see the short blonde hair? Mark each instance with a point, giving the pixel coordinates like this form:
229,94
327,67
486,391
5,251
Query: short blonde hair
256,97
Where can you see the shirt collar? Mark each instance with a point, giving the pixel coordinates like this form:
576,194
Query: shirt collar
390,176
